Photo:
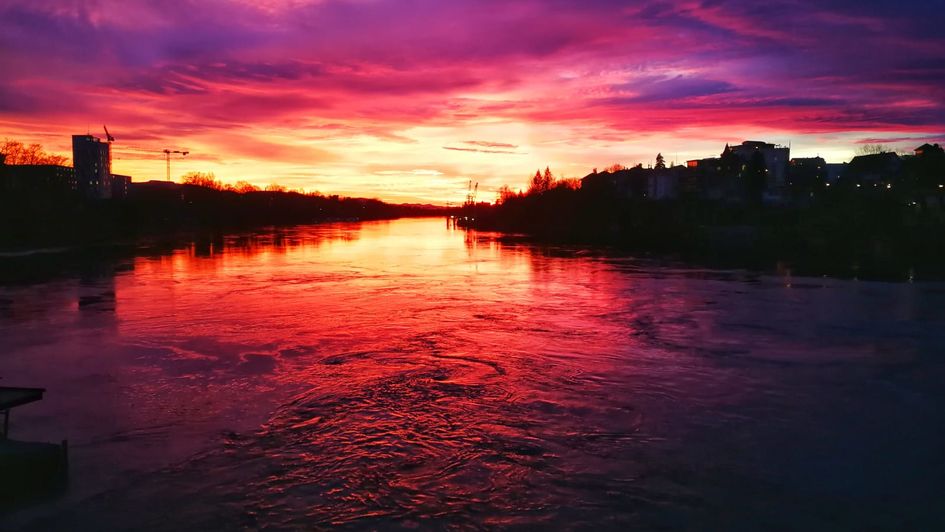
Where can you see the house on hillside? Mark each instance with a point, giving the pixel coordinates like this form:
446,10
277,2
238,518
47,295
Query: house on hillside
664,183
775,158
873,169
929,150
637,183
806,173
705,178
628,183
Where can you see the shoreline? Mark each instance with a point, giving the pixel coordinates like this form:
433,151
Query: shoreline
758,247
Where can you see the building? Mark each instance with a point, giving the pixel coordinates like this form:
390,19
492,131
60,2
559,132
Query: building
37,180
775,157
91,159
715,178
664,183
806,172
121,184
603,182
929,150
627,183
703,164
874,168
926,170
834,171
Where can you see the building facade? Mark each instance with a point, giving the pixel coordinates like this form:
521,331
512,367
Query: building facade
91,159
664,183
806,172
120,186
37,179
873,169
776,160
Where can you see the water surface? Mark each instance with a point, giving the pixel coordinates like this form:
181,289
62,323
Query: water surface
402,374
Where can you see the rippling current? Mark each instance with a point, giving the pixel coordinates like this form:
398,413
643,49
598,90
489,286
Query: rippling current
406,375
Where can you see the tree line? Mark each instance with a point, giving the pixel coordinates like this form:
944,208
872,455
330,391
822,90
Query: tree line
14,152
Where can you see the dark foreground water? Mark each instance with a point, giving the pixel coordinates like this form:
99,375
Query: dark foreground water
403,375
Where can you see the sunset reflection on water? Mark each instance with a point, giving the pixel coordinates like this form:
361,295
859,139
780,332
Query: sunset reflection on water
406,374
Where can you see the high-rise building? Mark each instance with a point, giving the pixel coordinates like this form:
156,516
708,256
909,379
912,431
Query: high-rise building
92,163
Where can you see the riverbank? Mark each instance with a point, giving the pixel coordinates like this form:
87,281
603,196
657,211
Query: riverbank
866,237
157,209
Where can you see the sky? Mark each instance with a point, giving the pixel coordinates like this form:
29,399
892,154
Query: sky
410,100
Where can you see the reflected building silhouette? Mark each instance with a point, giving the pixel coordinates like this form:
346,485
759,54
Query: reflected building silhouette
96,290
81,286
206,246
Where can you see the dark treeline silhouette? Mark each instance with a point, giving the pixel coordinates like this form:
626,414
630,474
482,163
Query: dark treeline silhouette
50,215
16,153
875,218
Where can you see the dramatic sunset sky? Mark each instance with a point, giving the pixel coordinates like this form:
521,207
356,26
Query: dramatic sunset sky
407,100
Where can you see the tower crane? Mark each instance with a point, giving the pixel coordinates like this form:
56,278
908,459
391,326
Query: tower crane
166,152
167,159
473,191
109,139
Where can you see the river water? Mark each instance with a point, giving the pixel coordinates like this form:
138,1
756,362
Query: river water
407,375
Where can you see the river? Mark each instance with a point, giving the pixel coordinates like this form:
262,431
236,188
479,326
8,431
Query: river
404,374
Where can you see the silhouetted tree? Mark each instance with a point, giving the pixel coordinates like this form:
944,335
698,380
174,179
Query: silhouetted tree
17,153
243,187
872,149
200,179
571,183
536,183
660,162
616,167
541,182
505,194
273,187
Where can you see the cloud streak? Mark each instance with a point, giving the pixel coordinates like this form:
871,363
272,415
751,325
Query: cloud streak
480,150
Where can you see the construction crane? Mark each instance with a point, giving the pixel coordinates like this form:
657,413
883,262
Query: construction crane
166,153
167,159
109,139
473,191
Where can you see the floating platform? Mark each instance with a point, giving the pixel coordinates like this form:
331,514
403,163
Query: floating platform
28,469
31,469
